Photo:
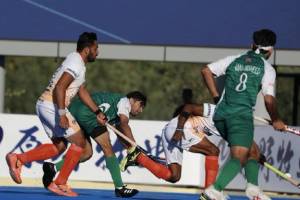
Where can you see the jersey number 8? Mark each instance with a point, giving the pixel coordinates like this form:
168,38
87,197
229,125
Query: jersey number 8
242,84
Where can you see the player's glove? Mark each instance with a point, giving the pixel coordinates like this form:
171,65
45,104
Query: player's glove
262,159
216,99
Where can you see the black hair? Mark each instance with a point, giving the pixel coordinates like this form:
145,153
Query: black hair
187,95
264,37
86,39
136,95
187,98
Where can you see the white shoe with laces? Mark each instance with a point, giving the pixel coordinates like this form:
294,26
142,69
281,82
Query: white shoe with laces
211,193
253,192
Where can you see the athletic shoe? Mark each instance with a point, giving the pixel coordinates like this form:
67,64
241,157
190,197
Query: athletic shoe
254,193
130,159
211,193
63,190
203,196
15,167
49,173
125,192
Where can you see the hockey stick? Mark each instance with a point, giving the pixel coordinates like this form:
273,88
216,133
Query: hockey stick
286,176
282,175
119,133
132,143
287,128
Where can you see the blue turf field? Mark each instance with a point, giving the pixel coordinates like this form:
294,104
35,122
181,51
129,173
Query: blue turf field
36,193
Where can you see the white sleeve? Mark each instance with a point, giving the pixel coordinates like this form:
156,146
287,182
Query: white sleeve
208,110
268,80
219,67
124,107
73,65
208,113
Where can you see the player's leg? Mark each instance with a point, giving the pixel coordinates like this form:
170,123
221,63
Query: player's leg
175,169
240,137
252,165
238,131
72,157
42,152
230,169
173,154
50,169
158,169
101,137
77,139
87,153
47,116
251,171
211,153
112,162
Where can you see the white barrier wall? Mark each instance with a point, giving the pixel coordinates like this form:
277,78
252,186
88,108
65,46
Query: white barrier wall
21,133
24,132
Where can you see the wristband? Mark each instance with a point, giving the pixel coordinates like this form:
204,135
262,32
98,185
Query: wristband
179,129
61,112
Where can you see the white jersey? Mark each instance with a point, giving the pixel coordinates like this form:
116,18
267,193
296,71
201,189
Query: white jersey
74,65
195,129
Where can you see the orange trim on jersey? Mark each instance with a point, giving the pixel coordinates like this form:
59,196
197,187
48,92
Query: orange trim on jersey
46,96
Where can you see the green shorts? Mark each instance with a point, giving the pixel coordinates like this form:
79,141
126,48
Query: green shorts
237,130
90,126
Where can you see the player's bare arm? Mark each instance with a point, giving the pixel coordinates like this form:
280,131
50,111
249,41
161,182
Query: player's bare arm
188,109
270,103
210,83
86,98
124,126
59,95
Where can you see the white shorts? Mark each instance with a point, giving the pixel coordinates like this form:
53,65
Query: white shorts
48,115
193,135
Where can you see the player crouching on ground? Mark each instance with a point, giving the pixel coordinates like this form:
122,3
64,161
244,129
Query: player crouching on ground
187,131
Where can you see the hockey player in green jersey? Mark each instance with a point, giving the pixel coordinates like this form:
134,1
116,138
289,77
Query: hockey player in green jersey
117,109
245,75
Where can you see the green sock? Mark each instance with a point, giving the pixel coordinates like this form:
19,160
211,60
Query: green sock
112,164
251,171
229,171
59,164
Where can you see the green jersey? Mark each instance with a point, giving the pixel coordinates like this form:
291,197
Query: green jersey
109,104
243,79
